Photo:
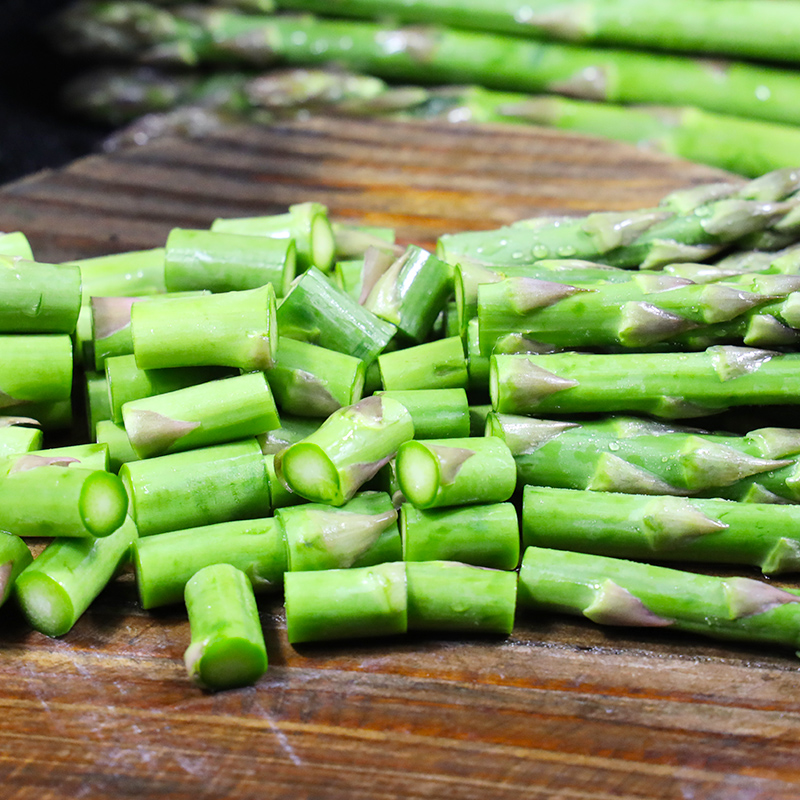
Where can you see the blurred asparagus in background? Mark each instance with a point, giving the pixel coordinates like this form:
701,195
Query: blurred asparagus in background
738,115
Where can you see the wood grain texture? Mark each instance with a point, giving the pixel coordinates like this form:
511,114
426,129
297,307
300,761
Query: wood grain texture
560,709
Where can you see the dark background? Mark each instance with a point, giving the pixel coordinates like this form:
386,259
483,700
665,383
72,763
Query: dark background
34,132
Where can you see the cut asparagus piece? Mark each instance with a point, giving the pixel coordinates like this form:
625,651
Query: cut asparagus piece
200,487
98,400
451,472
38,298
131,274
435,365
612,591
281,496
59,501
448,596
76,456
670,385
663,528
34,369
231,329
17,435
318,312
227,649
292,429
345,603
165,563
411,292
115,439
637,456
227,262
312,381
436,413
14,557
55,590
210,413
16,244
483,535
362,532
306,224
346,451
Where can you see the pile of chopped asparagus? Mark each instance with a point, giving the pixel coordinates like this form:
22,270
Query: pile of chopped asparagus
714,81
290,404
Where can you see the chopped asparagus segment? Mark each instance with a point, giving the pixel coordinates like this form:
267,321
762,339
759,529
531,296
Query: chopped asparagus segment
34,369
14,557
16,244
345,603
435,365
227,649
18,436
436,413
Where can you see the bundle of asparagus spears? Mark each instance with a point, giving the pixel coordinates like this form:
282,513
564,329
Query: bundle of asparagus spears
290,403
713,81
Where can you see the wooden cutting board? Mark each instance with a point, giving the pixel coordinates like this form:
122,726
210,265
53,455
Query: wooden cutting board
560,709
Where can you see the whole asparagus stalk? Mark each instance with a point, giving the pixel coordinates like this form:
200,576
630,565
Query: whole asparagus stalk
763,29
426,55
670,385
626,454
611,591
649,528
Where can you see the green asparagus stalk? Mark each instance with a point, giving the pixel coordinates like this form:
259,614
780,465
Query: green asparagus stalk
331,464
38,298
35,368
227,649
454,472
427,55
344,603
611,591
305,224
59,501
448,596
17,435
439,364
209,413
670,385
98,401
115,439
231,329
15,244
281,496
484,535
55,590
92,456
436,413
361,533
14,557
757,29
227,262
199,487
313,381
130,274
318,312
165,563
663,528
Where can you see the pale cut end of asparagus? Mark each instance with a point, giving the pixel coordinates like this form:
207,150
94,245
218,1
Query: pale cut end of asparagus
672,521
323,243
44,603
306,469
224,664
748,598
615,605
418,474
103,503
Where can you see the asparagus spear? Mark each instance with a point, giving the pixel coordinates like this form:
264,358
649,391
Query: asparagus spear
14,557
626,454
439,364
670,385
19,435
649,528
427,55
436,413
15,244
759,29
227,649
611,591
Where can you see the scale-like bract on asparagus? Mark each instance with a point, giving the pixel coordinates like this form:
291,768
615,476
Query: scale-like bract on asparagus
92,456
292,429
360,533
670,385
227,649
485,535
640,456
165,563
345,603
38,298
612,591
60,584
14,557
663,528
230,329
227,262
331,464
199,487
454,472
317,311
210,413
